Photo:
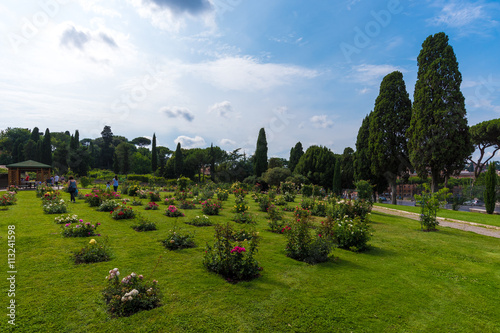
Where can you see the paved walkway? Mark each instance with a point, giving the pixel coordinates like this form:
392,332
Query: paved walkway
478,228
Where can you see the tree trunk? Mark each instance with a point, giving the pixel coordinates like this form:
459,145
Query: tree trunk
435,181
394,194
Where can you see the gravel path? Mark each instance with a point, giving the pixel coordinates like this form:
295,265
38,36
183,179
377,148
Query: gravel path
482,229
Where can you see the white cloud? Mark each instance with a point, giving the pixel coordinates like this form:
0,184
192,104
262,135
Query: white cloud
247,74
321,121
177,112
457,15
227,142
188,143
372,74
222,109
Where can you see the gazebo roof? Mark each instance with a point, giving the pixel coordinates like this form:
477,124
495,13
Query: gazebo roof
29,164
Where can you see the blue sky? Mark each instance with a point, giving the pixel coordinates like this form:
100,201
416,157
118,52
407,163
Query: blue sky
216,71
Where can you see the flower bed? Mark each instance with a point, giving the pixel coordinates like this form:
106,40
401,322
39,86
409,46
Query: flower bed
80,230
122,212
130,295
211,207
173,211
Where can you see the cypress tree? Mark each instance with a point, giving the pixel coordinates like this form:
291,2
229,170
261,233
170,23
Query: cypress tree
116,164
178,161
490,193
337,179
439,139
35,134
46,156
154,155
389,122
295,155
362,169
260,158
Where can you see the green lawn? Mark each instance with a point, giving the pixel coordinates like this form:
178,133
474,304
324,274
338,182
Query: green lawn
409,281
493,220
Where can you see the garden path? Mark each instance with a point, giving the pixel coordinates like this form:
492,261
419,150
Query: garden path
478,228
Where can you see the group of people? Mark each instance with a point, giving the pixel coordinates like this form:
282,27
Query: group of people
73,189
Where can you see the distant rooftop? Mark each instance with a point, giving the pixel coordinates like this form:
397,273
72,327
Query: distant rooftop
29,164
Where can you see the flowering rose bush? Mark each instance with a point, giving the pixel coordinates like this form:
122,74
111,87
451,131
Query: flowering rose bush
50,197
41,189
57,207
240,207
154,196
173,211
264,202
81,229
151,206
178,240
169,201
235,262
211,207
200,221
222,195
130,295
122,212
303,246
108,206
8,199
67,218
136,202
94,198
13,188
93,251
347,233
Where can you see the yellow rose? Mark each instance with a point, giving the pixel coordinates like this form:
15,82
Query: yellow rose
92,241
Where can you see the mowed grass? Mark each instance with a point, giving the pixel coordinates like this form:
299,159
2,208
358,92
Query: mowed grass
409,281
475,217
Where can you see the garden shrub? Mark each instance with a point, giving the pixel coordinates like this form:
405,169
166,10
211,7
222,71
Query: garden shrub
187,204
319,209
122,212
151,206
303,246
347,233
85,182
57,207
80,230
307,190
222,195
108,206
8,199
93,251
243,218
144,224
211,207
429,206
154,196
67,218
130,295
173,211
177,240
231,259
200,221
264,203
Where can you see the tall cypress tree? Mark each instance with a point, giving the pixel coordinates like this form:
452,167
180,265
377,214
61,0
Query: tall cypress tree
295,155
154,155
362,169
178,161
35,134
389,122
337,179
46,156
439,139
490,193
260,158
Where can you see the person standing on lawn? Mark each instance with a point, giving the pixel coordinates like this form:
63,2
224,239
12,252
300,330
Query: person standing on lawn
115,183
72,188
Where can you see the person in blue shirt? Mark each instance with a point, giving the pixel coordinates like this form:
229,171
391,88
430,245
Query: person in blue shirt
115,183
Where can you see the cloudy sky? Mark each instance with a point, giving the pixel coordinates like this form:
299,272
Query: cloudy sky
216,71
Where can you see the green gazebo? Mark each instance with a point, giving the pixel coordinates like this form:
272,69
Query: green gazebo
43,171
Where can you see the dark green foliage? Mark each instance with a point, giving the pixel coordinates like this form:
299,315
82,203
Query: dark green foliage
365,190
106,148
260,157
439,138
178,161
232,259
46,148
94,251
275,176
35,134
389,122
347,168
154,155
337,179
317,164
485,135
490,193
362,170
295,155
